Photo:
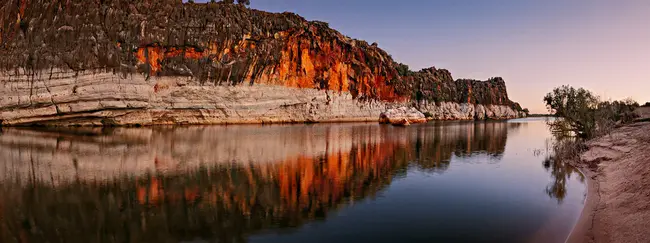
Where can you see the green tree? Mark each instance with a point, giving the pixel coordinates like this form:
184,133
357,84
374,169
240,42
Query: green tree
575,109
582,113
614,111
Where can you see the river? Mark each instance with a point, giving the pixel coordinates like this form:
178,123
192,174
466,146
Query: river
349,182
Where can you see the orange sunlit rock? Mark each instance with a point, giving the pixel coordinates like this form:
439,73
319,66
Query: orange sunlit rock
23,6
306,60
154,55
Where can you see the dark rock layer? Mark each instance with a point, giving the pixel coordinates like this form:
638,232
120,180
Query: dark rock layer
437,85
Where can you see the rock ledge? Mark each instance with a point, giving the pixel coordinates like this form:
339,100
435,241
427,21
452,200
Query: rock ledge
402,116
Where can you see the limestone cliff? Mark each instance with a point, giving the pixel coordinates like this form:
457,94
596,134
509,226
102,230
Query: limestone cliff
435,92
165,62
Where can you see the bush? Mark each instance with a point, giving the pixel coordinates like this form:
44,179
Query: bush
403,70
516,106
580,112
575,108
610,113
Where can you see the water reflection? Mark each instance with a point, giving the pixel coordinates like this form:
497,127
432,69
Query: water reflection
218,183
561,172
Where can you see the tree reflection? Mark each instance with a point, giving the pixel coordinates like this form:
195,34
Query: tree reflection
561,172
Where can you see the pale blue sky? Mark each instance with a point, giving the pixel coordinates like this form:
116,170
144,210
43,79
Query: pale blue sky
534,45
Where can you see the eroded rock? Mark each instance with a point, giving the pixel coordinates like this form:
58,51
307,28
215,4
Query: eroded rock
402,116
165,62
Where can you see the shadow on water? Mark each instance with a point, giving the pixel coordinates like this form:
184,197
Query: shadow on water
218,183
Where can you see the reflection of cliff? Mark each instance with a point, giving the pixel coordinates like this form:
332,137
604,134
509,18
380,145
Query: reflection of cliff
100,154
222,202
433,147
218,183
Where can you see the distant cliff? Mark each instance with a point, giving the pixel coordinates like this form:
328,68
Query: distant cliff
164,62
434,91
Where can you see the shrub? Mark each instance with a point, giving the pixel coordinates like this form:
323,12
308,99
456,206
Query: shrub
609,114
403,70
581,113
575,107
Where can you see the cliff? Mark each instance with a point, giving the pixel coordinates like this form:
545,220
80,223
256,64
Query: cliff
165,62
435,92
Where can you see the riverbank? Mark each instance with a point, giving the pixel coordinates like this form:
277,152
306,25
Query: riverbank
617,207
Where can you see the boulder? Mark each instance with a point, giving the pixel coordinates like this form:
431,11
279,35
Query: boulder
400,122
402,116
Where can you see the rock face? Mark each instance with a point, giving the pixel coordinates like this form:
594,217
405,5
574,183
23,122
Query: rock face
100,98
216,43
402,116
435,92
164,62
468,111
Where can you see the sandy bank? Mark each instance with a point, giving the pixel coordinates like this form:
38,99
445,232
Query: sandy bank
618,202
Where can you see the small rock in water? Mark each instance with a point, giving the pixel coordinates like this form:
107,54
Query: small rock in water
401,122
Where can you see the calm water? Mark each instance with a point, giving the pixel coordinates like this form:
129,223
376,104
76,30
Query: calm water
437,182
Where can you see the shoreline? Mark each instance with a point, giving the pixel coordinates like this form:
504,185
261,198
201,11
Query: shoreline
618,187
245,122
581,231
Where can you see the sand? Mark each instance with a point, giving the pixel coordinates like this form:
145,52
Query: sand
617,208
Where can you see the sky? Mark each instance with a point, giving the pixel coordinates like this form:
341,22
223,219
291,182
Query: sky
600,45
